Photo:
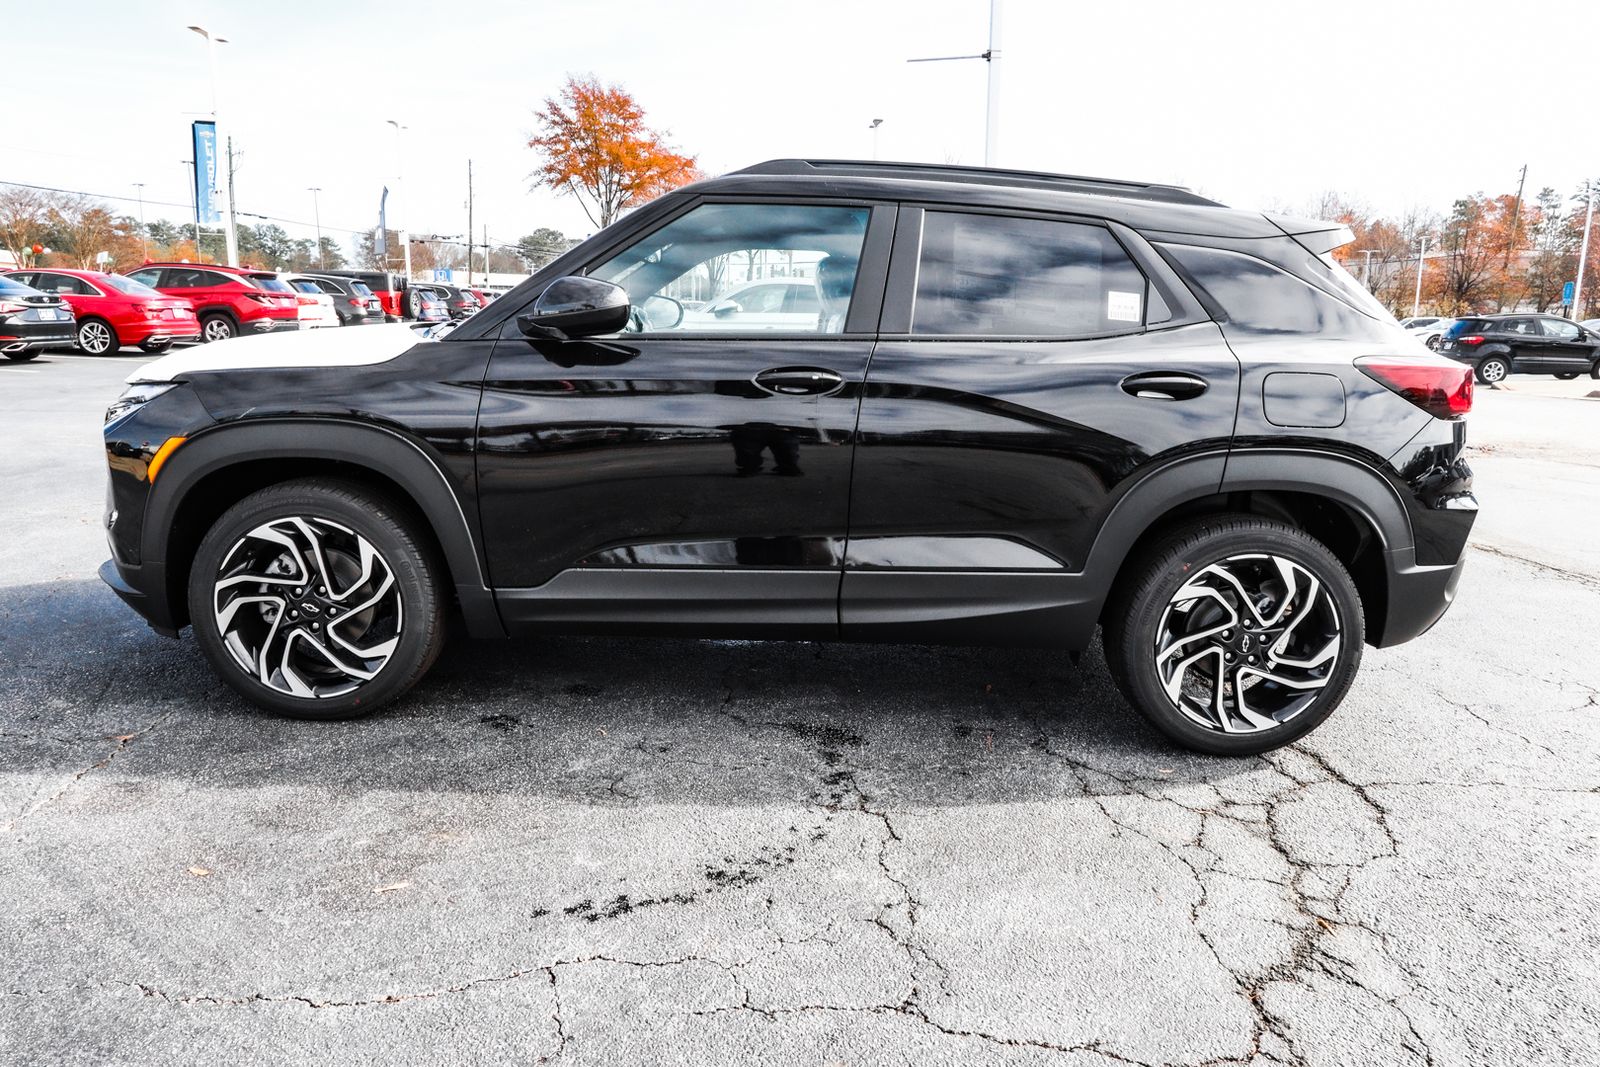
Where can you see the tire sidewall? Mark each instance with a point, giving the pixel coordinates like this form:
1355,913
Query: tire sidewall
112,347
1504,374
1212,543
227,324
380,523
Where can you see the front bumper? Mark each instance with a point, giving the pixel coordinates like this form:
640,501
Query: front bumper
145,593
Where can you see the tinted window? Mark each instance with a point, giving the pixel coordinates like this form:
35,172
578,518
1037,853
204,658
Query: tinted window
149,276
271,285
1519,327
130,286
190,278
718,248
61,283
802,300
358,289
1254,295
987,274
1467,326
1561,331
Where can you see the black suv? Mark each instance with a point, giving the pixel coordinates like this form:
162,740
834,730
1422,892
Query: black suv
1497,345
1023,406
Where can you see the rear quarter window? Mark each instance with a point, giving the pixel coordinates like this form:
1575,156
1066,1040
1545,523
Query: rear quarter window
1258,297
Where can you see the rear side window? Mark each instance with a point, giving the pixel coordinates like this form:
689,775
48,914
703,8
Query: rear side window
1023,277
1257,296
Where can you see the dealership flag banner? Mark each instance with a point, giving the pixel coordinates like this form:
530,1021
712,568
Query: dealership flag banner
205,173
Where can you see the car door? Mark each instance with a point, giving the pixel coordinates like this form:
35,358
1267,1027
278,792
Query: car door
678,478
1524,342
1029,370
1563,348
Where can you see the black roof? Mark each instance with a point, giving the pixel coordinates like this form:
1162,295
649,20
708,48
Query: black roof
1145,206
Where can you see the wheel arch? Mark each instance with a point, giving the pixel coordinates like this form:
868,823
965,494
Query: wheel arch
223,465
1345,504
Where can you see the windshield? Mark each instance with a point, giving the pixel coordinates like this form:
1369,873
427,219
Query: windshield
129,286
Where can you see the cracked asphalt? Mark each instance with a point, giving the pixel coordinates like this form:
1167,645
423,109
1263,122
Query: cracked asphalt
585,851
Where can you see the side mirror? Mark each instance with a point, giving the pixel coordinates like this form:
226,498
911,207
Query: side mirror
576,307
723,311
661,312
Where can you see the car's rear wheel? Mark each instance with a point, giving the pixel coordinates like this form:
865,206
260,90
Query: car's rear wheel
1434,341
216,328
316,599
1493,370
96,337
1235,635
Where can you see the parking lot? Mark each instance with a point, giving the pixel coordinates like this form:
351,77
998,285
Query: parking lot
605,851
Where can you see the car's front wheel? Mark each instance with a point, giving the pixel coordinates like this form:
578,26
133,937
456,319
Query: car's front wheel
1234,635
316,599
1493,370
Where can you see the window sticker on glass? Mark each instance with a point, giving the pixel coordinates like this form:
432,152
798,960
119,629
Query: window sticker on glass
1122,307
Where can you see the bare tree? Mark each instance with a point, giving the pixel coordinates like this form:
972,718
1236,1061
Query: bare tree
24,217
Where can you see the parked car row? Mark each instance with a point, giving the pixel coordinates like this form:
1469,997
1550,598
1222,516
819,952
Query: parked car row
162,304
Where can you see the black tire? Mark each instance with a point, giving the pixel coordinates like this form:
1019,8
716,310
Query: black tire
21,357
217,327
1143,602
1493,370
331,505
96,337
413,303
1567,375
157,348
1433,342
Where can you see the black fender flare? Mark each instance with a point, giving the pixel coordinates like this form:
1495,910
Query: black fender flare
397,457
1350,482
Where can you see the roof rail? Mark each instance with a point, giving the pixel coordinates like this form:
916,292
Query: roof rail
1024,179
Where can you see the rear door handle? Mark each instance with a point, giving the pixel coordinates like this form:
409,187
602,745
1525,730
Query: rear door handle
800,381
1164,385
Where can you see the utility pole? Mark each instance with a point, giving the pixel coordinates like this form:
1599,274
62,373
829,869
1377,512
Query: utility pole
1366,267
469,222
316,214
991,122
233,234
144,238
486,254
874,128
194,203
1583,253
399,181
1417,300
1516,214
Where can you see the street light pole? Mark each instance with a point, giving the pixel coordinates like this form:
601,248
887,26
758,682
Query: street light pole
144,238
399,181
316,214
231,236
1366,267
874,128
1422,250
1583,252
991,121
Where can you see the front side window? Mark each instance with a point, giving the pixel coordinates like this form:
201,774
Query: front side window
1022,277
1561,331
700,272
146,277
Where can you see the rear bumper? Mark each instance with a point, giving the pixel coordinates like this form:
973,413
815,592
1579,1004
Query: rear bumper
1419,595
265,325
27,336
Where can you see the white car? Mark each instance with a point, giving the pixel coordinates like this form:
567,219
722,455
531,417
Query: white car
769,304
1429,329
316,306
1592,325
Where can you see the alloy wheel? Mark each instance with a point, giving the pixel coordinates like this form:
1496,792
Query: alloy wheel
1247,643
95,338
218,330
1493,371
307,607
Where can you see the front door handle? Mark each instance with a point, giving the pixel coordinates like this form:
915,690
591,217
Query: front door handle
800,381
1164,385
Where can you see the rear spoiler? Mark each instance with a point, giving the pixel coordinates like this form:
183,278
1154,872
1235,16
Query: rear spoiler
1319,237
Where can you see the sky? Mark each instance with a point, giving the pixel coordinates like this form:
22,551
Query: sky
1394,105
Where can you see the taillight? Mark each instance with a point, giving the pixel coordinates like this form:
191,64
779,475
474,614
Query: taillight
11,309
1440,387
304,300
356,302
1471,339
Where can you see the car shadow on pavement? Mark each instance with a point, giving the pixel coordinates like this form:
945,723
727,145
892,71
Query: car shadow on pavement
591,720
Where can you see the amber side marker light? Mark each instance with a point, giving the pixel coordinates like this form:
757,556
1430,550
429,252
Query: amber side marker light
159,460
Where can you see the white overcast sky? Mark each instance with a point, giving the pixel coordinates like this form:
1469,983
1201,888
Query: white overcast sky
1395,104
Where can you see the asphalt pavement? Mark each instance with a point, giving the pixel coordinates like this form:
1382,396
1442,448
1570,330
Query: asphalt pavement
585,851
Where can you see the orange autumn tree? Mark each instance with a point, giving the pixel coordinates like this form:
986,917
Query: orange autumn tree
594,144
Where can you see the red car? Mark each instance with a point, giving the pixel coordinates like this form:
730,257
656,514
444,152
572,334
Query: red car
230,301
113,311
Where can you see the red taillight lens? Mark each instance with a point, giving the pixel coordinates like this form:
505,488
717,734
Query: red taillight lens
1440,387
357,303
304,300
1472,339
